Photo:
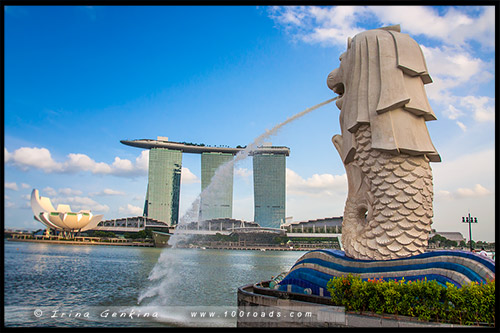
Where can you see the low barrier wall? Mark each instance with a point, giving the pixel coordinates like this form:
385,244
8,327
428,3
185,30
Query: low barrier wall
263,307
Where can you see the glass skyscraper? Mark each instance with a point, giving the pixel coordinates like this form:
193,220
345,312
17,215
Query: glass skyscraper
164,178
217,201
269,188
164,181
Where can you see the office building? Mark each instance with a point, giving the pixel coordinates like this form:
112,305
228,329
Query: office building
269,176
165,164
164,181
164,175
216,201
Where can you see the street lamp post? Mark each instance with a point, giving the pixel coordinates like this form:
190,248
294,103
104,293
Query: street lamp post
469,220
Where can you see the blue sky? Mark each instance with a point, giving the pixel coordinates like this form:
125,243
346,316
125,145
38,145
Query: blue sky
80,79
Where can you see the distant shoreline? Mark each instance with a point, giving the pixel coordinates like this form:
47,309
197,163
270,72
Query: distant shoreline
140,244
201,247
255,248
80,243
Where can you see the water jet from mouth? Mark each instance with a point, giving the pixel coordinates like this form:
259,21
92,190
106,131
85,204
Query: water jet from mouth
163,270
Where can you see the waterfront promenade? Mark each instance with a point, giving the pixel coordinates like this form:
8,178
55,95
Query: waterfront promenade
82,241
259,247
119,242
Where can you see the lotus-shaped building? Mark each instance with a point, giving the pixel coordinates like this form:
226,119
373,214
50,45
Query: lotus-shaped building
62,218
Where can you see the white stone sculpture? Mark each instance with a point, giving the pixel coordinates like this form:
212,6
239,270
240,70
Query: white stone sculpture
62,218
385,145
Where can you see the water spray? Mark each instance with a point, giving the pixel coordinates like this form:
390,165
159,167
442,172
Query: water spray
217,180
164,265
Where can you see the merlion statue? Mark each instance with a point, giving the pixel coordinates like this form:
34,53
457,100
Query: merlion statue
385,145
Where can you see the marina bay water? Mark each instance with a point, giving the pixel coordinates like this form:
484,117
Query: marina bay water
63,285
100,286
164,276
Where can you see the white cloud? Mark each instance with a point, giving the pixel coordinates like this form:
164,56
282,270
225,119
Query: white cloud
106,192
74,198
482,107
243,172
478,190
6,155
452,112
130,210
24,185
68,191
453,27
11,186
122,165
464,192
187,177
78,203
39,158
49,191
81,162
142,161
453,68
452,178
316,185
452,65
27,158
327,26
462,126
287,15
333,24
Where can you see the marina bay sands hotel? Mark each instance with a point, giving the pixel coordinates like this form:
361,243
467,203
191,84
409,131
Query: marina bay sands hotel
164,176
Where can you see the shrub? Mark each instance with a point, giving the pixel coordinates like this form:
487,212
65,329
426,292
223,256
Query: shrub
99,233
472,304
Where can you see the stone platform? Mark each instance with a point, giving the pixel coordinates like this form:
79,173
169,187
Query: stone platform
259,306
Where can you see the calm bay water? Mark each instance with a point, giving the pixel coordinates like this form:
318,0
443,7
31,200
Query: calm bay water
108,286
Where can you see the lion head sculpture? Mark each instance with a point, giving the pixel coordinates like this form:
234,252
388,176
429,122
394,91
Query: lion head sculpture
381,82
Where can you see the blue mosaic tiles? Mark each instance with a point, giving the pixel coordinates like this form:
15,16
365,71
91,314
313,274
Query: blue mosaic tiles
311,273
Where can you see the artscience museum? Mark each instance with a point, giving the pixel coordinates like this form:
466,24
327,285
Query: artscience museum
61,219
